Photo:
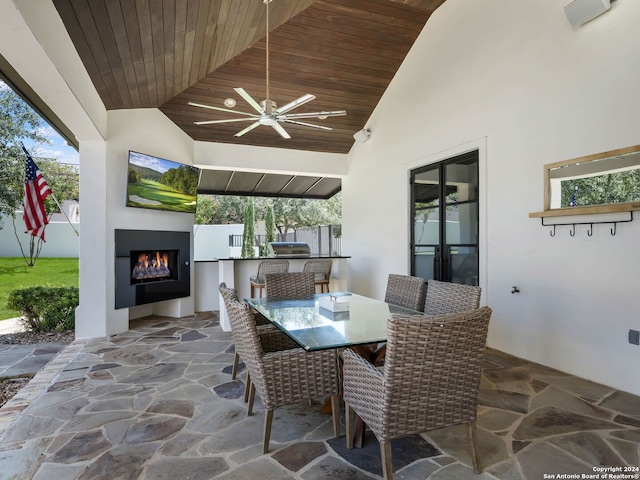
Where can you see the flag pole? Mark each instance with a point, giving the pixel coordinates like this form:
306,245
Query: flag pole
65,214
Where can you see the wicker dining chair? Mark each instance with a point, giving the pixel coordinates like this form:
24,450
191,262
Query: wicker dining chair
405,291
294,284
265,267
286,376
321,270
430,379
445,297
272,338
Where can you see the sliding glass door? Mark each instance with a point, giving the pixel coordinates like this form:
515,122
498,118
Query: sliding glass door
444,237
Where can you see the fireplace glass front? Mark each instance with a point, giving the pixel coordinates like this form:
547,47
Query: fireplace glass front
153,266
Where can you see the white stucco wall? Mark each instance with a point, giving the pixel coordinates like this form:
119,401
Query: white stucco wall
515,80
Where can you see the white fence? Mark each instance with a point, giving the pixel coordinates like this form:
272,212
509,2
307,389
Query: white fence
209,241
61,240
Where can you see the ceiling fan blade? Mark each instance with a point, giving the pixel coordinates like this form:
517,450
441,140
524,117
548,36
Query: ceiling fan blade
307,97
249,99
229,120
219,109
278,128
321,127
321,115
248,129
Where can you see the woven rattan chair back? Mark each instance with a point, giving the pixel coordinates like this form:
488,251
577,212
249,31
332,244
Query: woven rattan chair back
444,298
405,291
295,284
265,267
431,378
321,270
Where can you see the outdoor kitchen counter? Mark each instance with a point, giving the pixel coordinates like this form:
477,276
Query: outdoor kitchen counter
235,272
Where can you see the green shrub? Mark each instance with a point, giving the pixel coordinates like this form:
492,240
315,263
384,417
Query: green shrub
45,309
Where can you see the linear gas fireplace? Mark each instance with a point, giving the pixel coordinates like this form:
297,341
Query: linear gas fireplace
151,266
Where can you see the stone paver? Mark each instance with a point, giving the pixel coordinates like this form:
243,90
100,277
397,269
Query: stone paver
158,402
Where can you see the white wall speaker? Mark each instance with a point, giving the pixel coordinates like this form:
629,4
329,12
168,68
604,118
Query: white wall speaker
581,11
363,135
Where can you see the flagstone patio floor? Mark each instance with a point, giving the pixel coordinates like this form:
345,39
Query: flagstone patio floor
158,402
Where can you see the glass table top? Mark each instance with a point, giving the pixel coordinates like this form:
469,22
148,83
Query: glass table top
315,328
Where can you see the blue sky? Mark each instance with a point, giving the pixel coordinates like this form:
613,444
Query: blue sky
154,163
56,149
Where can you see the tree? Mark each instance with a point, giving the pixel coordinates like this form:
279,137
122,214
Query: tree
602,189
289,213
270,225
248,233
292,213
18,122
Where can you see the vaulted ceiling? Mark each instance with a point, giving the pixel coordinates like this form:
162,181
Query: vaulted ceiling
167,53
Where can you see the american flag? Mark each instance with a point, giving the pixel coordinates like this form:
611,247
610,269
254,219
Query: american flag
574,201
36,189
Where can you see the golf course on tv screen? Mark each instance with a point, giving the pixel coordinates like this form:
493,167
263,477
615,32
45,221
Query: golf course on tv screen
160,184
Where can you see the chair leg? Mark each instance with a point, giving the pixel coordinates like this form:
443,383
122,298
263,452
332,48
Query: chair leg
471,433
247,387
387,466
335,413
252,396
234,369
348,420
268,420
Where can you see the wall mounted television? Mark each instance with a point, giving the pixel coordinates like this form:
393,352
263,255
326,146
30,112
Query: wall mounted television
159,184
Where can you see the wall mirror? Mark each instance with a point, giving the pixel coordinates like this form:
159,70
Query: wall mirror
605,179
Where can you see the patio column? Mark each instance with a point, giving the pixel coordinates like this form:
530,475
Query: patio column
96,315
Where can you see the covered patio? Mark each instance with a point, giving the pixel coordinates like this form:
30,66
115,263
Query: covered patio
513,81
158,402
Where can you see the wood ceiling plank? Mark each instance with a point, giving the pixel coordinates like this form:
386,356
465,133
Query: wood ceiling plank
107,37
146,41
180,30
67,13
189,42
201,26
157,38
130,18
169,23
210,38
124,46
92,36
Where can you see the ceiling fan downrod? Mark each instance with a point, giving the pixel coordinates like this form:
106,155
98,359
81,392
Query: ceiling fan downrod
267,107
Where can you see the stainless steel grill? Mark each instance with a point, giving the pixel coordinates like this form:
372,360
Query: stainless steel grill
288,249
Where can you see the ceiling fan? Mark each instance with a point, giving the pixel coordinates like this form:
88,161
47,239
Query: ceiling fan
268,112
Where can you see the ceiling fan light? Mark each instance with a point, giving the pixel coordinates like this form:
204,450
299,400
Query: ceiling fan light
270,121
229,102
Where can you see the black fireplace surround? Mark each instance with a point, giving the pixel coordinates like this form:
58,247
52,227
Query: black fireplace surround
151,266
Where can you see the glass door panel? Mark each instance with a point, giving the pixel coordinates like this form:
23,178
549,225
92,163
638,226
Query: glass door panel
444,236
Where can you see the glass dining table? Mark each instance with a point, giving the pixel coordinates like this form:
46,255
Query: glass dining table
314,327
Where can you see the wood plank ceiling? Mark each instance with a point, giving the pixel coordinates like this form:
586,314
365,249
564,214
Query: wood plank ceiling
166,53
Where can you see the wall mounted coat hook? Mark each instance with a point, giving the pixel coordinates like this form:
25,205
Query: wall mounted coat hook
572,232
613,230
553,232
590,231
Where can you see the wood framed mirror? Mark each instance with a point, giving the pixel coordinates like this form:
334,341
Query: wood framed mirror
599,183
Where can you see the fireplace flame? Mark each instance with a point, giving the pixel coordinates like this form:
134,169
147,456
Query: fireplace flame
151,265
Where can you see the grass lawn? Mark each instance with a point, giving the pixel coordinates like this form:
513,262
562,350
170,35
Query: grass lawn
15,274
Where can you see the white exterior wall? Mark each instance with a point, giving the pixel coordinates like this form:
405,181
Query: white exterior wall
515,80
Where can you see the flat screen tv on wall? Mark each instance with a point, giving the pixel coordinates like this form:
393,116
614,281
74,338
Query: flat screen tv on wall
160,184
